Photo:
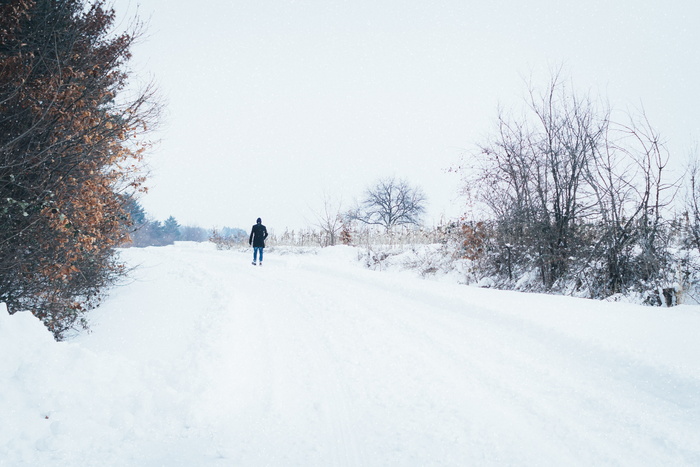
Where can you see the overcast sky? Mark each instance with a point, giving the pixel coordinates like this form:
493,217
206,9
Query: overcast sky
272,104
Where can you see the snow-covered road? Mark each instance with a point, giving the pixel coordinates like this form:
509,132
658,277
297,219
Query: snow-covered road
313,360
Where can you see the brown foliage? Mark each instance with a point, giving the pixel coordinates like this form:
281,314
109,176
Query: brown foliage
69,155
473,240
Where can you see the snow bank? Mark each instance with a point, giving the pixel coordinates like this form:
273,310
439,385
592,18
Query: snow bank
62,404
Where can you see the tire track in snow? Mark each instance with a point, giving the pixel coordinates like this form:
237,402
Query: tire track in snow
337,399
306,363
580,368
532,352
526,350
398,335
303,354
381,387
235,361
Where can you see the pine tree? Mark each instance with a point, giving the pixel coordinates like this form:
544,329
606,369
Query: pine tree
171,231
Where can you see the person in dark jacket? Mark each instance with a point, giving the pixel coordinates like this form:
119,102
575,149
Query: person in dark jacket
258,234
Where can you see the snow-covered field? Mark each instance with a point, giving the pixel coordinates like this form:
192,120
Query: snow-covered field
311,360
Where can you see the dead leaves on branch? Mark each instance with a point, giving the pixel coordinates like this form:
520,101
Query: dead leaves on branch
70,154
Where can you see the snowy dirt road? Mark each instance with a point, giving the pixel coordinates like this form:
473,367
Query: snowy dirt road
313,360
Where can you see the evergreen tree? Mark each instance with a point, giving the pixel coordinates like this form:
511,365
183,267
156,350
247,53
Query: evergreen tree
137,215
171,231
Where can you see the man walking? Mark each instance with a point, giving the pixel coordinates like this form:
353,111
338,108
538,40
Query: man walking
257,238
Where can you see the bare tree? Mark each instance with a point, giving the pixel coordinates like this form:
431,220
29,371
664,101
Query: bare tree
576,195
532,176
631,193
390,203
692,202
330,220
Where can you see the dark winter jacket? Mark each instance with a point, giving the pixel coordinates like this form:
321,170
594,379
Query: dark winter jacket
258,235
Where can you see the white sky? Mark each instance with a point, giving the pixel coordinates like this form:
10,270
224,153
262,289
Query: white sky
274,103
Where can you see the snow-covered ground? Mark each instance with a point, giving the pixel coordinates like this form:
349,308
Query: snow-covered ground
311,360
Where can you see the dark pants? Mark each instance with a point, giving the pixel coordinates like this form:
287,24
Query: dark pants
257,249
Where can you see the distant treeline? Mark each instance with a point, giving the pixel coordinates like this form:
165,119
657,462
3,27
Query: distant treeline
150,232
